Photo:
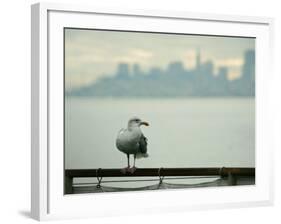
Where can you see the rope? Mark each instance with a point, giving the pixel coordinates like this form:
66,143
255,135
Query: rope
147,180
89,189
98,177
161,177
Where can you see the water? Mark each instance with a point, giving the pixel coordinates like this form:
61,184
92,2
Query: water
192,132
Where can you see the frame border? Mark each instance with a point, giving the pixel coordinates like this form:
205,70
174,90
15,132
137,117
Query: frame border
40,86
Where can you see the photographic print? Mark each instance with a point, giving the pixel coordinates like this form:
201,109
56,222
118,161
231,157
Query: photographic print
149,111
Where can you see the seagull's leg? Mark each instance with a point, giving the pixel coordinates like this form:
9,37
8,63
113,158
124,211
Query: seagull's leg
127,169
133,169
128,157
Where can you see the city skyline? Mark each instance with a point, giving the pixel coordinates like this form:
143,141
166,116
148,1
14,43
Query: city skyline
93,54
174,81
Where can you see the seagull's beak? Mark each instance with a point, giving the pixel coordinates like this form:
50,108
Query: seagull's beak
144,123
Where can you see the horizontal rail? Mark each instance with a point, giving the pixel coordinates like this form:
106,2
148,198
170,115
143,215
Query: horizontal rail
230,172
145,172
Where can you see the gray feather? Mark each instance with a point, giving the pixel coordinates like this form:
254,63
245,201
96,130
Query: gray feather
143,144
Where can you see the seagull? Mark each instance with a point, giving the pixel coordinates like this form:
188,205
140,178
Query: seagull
131,140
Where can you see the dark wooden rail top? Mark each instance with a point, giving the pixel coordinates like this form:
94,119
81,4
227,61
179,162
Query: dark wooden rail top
145,172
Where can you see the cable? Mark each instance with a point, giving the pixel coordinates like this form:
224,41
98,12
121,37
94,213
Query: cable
144,180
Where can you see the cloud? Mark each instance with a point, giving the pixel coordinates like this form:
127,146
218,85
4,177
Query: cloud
77,61
229,62
134,55
140,53
234,66
189,58
234,73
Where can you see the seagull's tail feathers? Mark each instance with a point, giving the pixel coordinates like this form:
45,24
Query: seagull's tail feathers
142,155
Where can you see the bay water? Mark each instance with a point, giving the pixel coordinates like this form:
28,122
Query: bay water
183,132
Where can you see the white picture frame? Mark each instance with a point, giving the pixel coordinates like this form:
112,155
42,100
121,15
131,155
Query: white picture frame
47,198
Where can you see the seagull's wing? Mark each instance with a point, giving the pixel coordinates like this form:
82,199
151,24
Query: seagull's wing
143,144
121,131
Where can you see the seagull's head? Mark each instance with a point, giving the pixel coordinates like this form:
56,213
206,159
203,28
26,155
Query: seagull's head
136,122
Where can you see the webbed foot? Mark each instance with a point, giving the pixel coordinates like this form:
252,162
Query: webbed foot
133,169
126,170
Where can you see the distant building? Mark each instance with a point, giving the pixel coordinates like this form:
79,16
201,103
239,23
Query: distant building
175,81
198,61
155,72
207,68
222,73
248,73
249,65
175,68
123,71
137,70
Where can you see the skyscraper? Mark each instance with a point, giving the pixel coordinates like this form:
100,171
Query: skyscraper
136,70
249,64
123,71
198,60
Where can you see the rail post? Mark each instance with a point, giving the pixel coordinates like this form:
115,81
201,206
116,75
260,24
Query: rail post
68,188
232,180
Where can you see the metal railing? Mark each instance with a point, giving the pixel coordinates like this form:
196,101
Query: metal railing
232,173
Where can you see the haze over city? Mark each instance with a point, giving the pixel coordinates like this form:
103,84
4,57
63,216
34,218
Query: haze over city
93,56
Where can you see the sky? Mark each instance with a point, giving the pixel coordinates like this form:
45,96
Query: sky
91,54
